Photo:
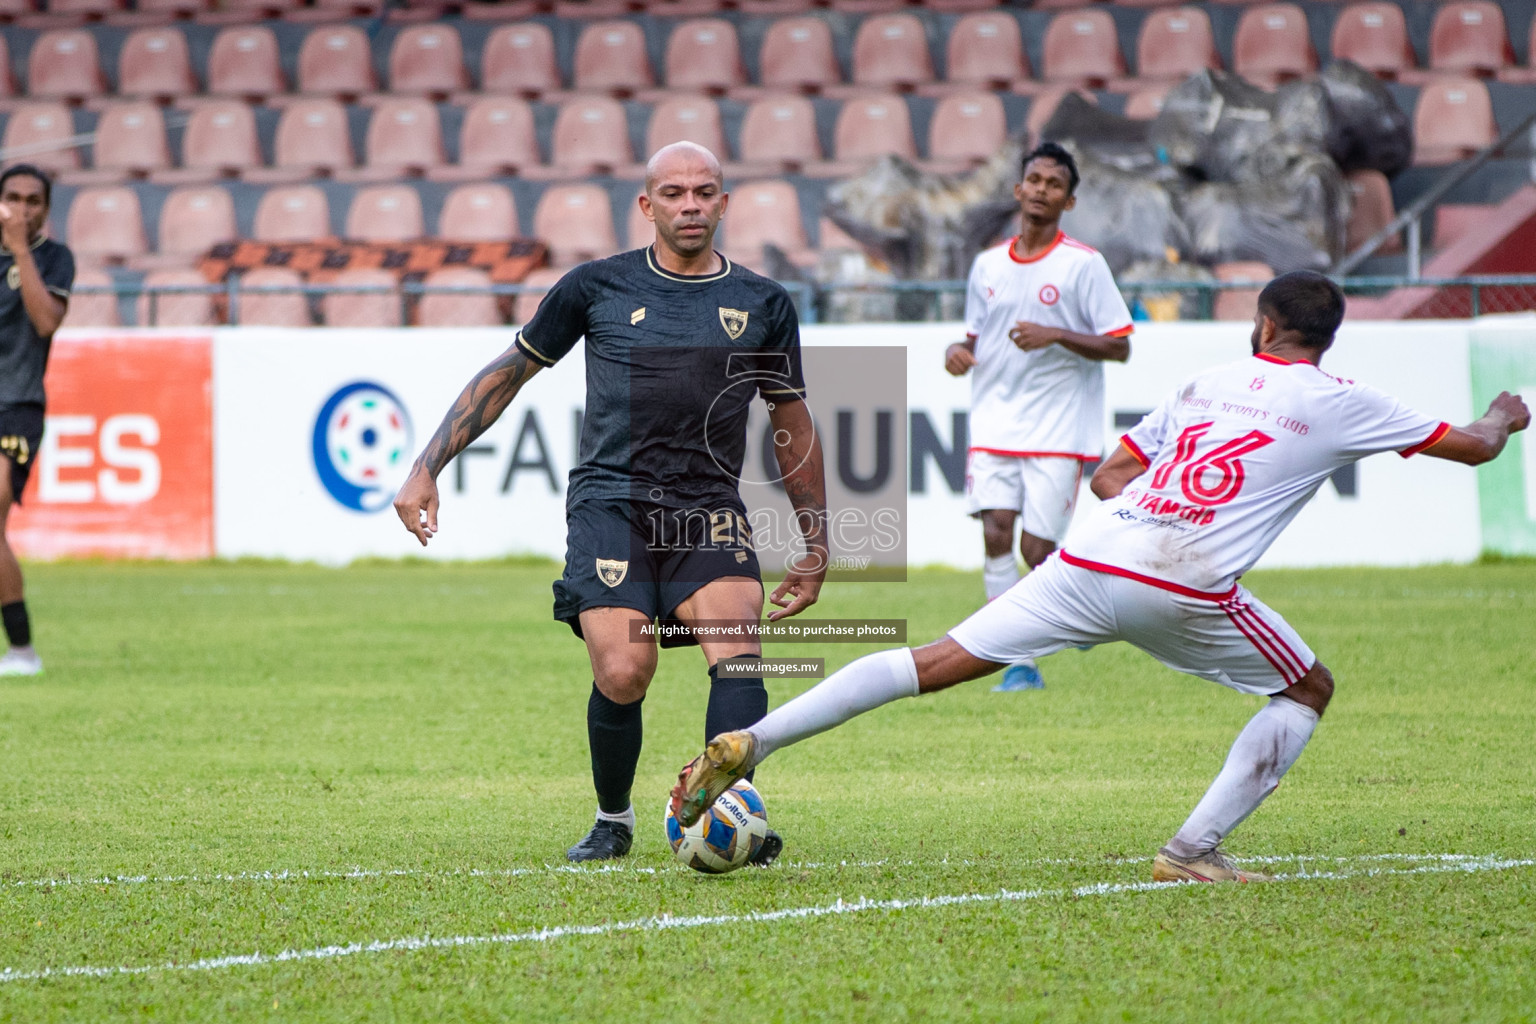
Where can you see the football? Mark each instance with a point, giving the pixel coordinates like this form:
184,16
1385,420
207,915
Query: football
726,836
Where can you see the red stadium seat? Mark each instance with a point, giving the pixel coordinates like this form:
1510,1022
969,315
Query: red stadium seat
480,212
385,213
43,129
575,222
295,213
155,63
1375,36
404,137
497,137
765,213
172,308
1082,47
1240,303
986,49
1526,74
336,60
591,135
364,309
1452,120
520,60
312,137
220,139
872,126
1455,221
194,219
105,224
704,54
276,308
130,139
65,64
472,309
686,119
966,129
1043,106
1469,37
244,62
1145,104
91,309
611,57
890,51
427,59
797,55
88,10
527,303
780,132
1175,43
1370,211
1273,44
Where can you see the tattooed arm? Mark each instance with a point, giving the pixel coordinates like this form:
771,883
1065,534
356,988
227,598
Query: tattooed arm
483,399
800,467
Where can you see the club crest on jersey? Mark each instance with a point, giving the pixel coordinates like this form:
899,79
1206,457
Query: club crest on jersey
734,321
13,276
1050,295
612,571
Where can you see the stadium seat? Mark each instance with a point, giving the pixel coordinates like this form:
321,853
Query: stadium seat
219,141
496,138
1273,45
385,213
1455,221
105,224
91,309
87,10
312,137
1470,37
429,60
1375,36
705,55
479,212
520,60
1081,47
1525,74
872,126
365,309
154,63
591,136
611,57
1174,44
167,9
890,51
966,129
175,309
1370,210
194,219
797,55
986,49
640,232
765,213
272,309
1043,106
1146,103
336,60
575,222
244,62
295,213
686,118
1239,303
404,137
65,64
475,309
130,140
43,129
780,132
527,304
1452,120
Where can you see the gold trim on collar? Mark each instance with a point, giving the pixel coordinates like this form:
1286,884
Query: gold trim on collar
725,268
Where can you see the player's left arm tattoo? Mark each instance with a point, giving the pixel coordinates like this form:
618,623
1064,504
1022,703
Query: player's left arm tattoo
800,466
482,401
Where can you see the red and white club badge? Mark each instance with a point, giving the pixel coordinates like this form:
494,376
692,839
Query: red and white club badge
1050,295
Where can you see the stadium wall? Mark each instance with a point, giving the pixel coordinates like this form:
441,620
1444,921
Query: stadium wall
289,443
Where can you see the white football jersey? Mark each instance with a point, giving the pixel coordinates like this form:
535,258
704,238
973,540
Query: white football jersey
1231,458
1051,401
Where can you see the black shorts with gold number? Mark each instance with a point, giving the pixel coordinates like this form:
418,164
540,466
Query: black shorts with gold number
637,555
21,432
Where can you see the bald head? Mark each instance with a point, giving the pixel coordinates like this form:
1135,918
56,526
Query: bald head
684,197
681,159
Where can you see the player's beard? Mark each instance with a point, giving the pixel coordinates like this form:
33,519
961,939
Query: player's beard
689,247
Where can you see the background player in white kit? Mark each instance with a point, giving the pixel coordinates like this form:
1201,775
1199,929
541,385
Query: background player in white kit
1192,498
1042,313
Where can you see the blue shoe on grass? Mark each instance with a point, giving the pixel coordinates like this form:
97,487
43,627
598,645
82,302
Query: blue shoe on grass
1023,676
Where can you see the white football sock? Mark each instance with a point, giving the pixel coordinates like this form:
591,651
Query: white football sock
852,690
998,574
625,817
1264,751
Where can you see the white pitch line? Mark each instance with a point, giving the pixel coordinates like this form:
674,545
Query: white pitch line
668,923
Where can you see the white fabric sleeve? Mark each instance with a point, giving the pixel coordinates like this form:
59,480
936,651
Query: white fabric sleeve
975,300
1373,421
1147,438
1103,307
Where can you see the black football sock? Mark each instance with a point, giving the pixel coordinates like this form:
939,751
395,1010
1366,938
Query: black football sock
614,733
18,628
734,703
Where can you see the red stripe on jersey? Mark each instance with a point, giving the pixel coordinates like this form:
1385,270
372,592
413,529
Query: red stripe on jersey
1121,332
1037,257
1135,450
1008,453
1266,637
1151,581
1434,438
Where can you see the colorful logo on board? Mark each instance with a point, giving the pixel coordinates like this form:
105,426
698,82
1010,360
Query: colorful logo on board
362,445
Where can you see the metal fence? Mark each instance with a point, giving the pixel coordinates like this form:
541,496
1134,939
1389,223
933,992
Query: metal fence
181,305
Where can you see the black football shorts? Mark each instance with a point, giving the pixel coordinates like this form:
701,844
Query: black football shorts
21,431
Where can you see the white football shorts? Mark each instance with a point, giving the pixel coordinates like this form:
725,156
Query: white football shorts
1043,489
1237,642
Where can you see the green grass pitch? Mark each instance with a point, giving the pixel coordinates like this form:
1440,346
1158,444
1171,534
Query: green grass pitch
264,792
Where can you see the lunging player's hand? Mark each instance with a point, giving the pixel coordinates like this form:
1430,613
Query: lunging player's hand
1514,407
416,504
